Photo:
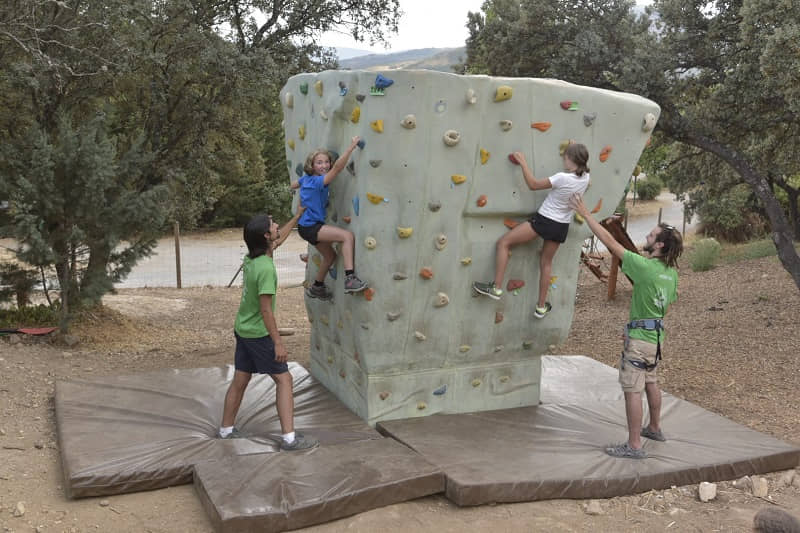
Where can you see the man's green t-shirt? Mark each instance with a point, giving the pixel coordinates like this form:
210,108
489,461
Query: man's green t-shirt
655,286
260,278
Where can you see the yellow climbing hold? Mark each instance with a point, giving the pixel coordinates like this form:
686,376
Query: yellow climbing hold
377,125
374,198
290,142
553,279
562,146
289,100
464,348
484,156
476,383
458,179
503,93
316,259
466,261
421,406
355,115
579,219
318,87
302,132
404,233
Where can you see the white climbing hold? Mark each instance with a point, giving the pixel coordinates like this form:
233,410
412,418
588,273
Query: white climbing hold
289,100
649,122
323,115
441,242
506,125
370,243
472,96
409,122
419,336
451,137
441,300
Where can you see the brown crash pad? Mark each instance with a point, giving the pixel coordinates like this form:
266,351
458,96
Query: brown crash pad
146,431
556,449
276,492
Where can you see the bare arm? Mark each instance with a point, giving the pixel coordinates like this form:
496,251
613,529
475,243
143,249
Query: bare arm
295,184
534,184
283,231
340,163
281,355
576,202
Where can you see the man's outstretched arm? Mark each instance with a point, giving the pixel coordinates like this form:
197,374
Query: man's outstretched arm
576,202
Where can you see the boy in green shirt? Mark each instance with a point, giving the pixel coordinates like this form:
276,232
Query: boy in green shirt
259,348
655,287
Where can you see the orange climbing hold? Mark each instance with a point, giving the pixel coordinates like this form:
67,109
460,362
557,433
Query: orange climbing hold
346,219
510,224
541,126
369,294
598,206
482,199
514,284
604,153
498,317
374,198
426,273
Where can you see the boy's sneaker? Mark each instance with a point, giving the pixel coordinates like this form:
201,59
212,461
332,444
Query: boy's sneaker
300,442
353,284
539,312
319,291
488,289
234,434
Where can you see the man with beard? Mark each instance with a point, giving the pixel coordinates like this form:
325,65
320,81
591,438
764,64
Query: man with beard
655,287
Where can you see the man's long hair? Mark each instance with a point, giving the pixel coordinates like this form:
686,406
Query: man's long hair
672,244
254,235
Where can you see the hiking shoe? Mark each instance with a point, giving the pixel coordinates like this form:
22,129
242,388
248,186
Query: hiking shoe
488,289
232,435
319,291
539,312
299,443
653,435
624,451
353,284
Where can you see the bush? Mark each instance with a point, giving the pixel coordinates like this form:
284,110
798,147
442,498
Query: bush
649,189
30,316
705,255
16,281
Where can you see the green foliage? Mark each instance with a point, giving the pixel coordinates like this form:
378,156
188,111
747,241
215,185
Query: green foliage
705,255
29,316
754,249
17,281
649,188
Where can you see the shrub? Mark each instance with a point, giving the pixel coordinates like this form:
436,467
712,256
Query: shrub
705,255
649,189
16,281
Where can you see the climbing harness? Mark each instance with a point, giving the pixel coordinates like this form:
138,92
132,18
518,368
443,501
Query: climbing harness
650,324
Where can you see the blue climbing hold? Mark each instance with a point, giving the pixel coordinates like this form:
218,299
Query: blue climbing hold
332,272
299,170
342,88
382,82
441,390
355,205
361,143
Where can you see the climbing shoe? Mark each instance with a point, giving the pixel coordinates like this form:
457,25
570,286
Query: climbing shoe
652,435
234,434
624,451
299,443
488,289
539,312
320,292
353,284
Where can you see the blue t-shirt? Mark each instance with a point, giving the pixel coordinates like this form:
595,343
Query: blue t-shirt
314,196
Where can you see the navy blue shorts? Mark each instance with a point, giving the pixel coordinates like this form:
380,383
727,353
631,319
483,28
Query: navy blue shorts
309,233
257,356
549,229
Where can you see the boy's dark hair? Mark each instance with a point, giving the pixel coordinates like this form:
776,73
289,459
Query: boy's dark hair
673,244
578,154
254,230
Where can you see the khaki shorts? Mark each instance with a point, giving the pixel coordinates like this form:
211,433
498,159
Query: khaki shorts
631,378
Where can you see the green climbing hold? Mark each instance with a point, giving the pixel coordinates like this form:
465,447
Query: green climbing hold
304,88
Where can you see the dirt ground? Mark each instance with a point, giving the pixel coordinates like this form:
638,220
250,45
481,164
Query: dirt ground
733,349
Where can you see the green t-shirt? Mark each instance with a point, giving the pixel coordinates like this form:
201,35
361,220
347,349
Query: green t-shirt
260,278
655,286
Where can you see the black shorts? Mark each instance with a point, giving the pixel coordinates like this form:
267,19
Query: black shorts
257,356
309,233
548,229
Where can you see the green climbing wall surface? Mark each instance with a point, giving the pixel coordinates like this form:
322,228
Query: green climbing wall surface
427,197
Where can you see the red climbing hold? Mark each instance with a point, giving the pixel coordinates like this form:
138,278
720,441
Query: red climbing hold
514,284
566,104
510,224
482,199
426,273
369,293
513,159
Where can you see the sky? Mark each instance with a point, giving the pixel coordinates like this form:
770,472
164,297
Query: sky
424,24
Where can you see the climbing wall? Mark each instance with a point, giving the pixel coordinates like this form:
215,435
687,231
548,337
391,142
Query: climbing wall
427,195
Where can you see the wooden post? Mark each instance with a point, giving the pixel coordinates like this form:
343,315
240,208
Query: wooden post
659,214
612,277
683,233
177,230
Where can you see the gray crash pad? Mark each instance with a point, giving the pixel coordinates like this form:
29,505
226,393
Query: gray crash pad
276,492
146,431
556,449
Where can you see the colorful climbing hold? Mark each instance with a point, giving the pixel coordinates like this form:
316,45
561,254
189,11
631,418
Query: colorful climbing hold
304,88
484,156
374,198
510,224
421,406
637,170
330,358
342,374
332,272
382,82
513,159
441,390
476,383
466,261
370,243
383,395
318,87
355,115
481,201
361,143
361,97
458,179
426,273
498,317
569,105
514,284
464,348
346,219
374,91
562,146
290,142
369,294
506,125
579,219
541,126
289,100
598,206
356,204
377,125
301,132
451,137
299,170
409,122
342,88
304,257
503,93
588,119
553,280
404,233
605,153
316,259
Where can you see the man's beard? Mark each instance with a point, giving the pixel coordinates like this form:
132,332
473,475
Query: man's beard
649,248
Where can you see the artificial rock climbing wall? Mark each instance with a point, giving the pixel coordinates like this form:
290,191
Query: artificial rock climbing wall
427,196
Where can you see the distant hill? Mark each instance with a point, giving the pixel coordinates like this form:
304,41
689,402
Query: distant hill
348,53
441,59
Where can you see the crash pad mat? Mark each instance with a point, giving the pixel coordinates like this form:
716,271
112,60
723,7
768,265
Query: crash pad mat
276,492
556,449
145,431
